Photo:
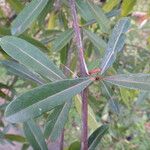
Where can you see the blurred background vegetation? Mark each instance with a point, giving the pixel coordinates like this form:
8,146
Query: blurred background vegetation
128,111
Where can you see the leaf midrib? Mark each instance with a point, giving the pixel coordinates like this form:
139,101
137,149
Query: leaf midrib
25,20
112,52
34,59
51,96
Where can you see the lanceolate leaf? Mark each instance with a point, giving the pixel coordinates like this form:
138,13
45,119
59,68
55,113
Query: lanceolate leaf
96,136
115,43
56,121
21,71
44,98
132,81
62,40
100,17
95,39
110,5
6,31
127,6
27,16
31,57
34,135
84,11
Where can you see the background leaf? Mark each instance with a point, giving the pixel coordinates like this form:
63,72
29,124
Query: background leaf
27,16
100,17
62,40
95,39
96,136
127,6
34,135
115,43
56,121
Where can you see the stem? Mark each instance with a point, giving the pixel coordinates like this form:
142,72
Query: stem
62,141
83,72
83,67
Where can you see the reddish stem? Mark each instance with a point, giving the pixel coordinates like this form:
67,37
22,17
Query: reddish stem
83,72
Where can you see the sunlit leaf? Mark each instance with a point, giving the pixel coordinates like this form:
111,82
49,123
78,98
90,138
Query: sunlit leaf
44,98
27,16
75,146
133,81
96,136
31,57
115,43
15,138
127,6
108,6
34,135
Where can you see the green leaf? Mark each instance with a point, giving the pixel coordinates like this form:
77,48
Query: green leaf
95,39
6,31
62,40
142,97
127,6
34,135
31,57
27,16
93,124
21,71
84,11
56,121
16,5
44,98
115,43
96,136
100,17
133,81
15,138
75,146
108,6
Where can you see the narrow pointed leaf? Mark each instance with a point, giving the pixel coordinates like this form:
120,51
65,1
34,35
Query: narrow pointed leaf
100,17
95,39
21,71
15,138
31,57
115,43
44,98
27,16
127,7
132,81
96,136
57,120
62,40
34,135
6,31
108,6
84,11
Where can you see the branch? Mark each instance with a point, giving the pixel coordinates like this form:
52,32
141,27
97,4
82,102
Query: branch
83,72
83,67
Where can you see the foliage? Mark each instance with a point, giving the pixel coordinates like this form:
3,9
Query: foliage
42,52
